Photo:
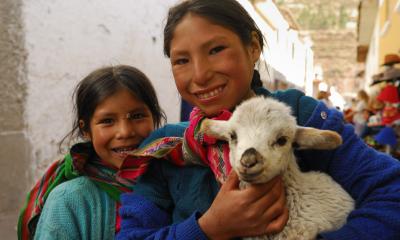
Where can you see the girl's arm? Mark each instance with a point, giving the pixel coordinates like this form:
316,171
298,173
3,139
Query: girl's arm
169,130
142,219
148,212
372,179
233,213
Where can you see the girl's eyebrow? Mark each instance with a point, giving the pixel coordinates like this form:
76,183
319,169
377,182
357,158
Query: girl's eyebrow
204,45
102,114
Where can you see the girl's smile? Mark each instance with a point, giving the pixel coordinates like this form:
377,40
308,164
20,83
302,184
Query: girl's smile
208,95
212,67
119,124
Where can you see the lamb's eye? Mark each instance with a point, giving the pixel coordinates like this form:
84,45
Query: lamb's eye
233,136
281,141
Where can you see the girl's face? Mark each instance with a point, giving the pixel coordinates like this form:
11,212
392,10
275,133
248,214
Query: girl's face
119,124
211,65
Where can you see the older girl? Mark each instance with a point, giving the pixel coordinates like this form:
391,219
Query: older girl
213,47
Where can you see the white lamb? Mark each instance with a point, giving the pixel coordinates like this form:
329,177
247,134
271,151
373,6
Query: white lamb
261,134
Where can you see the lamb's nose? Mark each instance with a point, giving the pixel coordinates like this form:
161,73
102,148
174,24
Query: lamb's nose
249,158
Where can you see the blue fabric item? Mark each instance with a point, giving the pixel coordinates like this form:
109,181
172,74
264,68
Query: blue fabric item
77,209
138,209
386,136
186,108
168,130
371,178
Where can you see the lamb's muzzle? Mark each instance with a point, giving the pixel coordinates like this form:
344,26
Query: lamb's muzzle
251,165
249,158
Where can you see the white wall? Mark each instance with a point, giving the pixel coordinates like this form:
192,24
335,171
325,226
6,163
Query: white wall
284,50
372,61
65,40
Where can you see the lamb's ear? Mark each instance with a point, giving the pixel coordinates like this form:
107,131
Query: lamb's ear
312,138
215,128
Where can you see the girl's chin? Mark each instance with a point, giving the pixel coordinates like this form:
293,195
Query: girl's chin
117,160
213,111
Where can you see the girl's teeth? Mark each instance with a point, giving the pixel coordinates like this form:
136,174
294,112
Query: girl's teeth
210,94
124,150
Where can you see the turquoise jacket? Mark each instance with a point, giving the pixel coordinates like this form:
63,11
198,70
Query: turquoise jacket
77,209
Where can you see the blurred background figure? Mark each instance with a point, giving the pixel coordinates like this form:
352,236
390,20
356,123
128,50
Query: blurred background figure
360,114
324,97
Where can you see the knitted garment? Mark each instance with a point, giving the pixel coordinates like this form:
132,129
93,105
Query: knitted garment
372,178
77,209
83,161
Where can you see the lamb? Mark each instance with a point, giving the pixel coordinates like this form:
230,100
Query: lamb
261,134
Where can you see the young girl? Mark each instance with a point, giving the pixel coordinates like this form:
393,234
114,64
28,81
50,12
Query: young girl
78,197
213,47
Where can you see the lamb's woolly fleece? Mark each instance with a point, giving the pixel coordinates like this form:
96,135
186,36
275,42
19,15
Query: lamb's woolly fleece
316,203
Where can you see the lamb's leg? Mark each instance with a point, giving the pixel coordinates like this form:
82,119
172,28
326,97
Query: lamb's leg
302,231
258,238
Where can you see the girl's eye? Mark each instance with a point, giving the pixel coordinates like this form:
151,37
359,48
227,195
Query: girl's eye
216,50
135,116
180,61
106,121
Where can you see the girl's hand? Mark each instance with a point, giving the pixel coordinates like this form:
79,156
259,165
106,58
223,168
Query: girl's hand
257,210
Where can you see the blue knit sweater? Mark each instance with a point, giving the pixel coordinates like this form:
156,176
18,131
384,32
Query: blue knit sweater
77,209
168,200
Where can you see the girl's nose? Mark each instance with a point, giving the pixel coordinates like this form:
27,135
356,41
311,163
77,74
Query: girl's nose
125,130
201,71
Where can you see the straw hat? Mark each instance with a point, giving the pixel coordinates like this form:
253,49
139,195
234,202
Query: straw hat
391,59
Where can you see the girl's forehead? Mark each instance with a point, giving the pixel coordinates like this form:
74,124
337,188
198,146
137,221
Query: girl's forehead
122,97
196,29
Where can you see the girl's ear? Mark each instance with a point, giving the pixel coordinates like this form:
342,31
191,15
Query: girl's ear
86,135
255,48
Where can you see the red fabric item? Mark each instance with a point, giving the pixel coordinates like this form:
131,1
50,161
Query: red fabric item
117,218
389,115
389,94
213,153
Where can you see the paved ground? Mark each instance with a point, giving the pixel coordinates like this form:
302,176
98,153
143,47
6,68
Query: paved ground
8,225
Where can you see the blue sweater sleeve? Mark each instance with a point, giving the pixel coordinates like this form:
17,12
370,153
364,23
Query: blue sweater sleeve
142,219
372,179
169,130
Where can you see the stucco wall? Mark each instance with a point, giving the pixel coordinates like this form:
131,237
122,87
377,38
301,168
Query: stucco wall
67,39
46,47
14,147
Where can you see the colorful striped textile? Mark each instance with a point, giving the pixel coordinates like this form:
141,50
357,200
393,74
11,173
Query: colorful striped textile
83,161
199,148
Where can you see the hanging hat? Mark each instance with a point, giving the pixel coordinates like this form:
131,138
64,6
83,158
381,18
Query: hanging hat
389,94
376,78
391,59
386,136
390,74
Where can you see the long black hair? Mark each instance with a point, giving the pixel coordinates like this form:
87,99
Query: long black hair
227,13
104,82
